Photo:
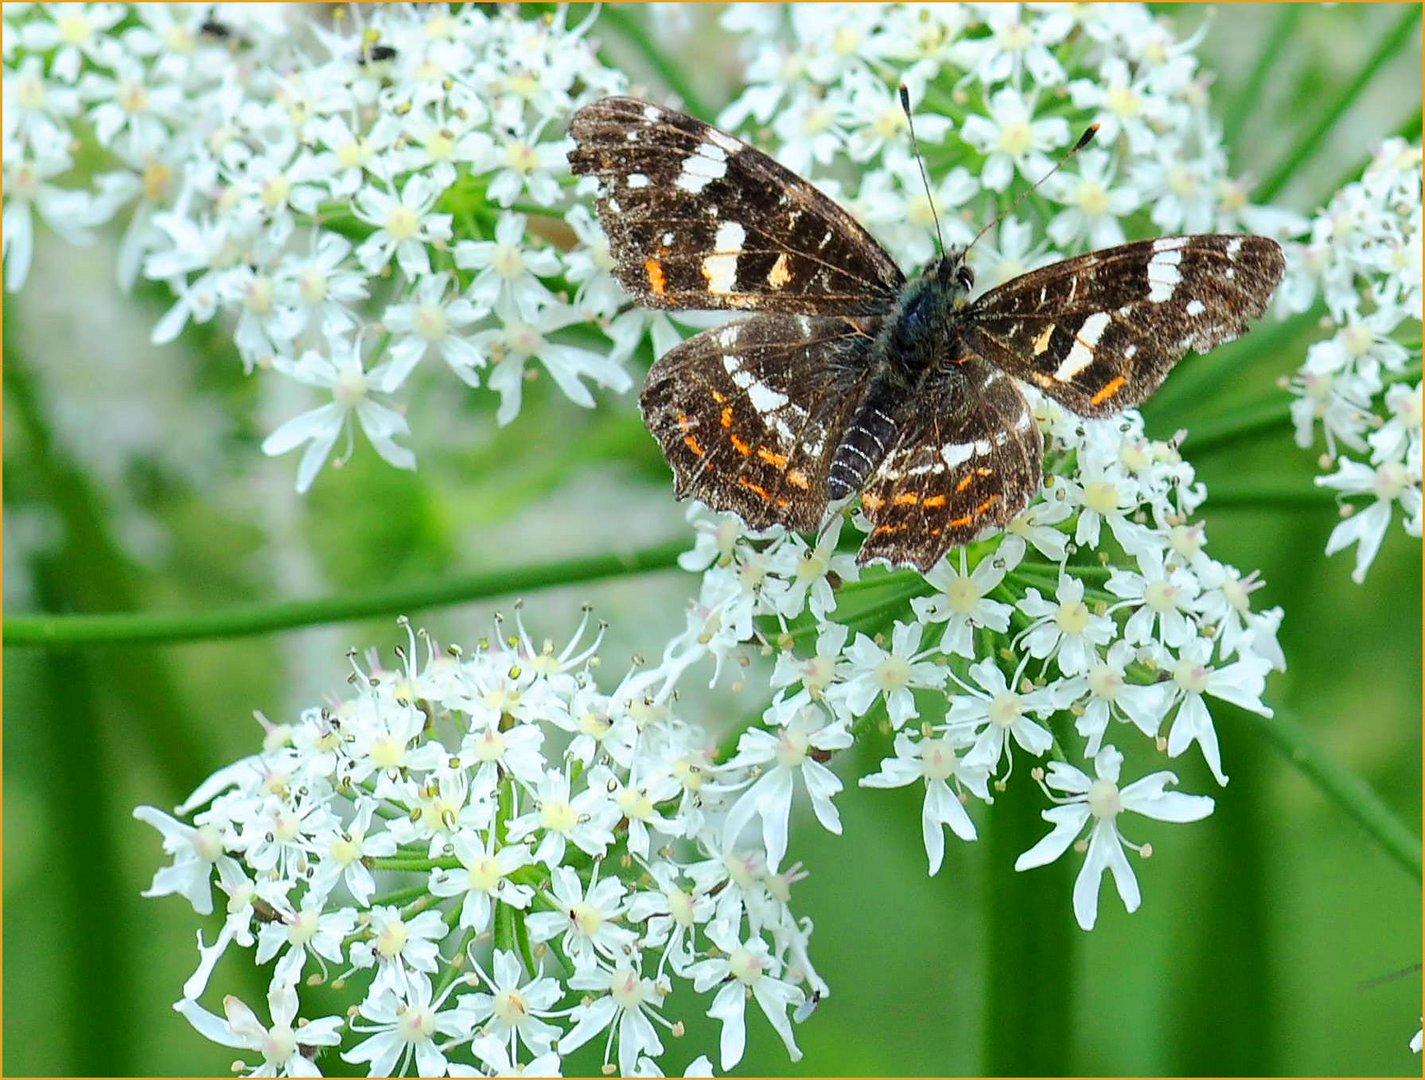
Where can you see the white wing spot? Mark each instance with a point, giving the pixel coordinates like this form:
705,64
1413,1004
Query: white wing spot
1233,246
721,273
1163,274
1170,243
1081,355
729,238
1196,307
700,170
631,135
637,180
764,399
652,112
731,362
727,142
667,239
727,337
957,453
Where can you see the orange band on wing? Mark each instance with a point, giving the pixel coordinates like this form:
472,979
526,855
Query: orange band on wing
772,458
1108,391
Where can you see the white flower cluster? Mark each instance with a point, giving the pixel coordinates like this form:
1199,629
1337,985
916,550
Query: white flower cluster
308,184
1098,605
1362,384
508,861
999,91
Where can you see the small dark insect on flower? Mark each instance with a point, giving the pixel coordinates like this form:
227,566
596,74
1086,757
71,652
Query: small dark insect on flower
212,28
376,54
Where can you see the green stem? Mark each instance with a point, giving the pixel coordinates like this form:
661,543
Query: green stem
1343,787
1400,36
1409,129
1248,96
73,631
1291,496
633,31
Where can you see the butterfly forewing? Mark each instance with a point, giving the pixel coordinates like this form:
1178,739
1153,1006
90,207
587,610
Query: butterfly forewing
698,219
968,459
749,414
1101,331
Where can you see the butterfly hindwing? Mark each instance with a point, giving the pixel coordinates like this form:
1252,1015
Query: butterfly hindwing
698,219
749,414
969,458
1101,331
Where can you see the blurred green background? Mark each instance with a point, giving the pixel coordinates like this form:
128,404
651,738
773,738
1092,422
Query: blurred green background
1258,926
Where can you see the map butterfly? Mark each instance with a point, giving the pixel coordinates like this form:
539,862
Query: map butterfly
846,377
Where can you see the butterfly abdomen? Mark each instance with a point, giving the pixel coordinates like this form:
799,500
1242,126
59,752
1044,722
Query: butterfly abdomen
868,439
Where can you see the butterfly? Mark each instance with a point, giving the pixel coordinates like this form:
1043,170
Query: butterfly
846,377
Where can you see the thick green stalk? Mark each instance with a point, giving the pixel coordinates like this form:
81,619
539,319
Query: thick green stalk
73,631
1031,935
98,575
1229,941
90,911
1399,37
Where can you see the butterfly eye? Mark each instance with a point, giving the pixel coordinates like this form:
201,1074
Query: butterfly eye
966,277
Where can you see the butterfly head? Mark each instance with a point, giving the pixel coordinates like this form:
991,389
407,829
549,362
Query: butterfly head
952,273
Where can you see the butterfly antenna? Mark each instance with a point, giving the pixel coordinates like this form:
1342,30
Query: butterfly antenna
924,179
1084,140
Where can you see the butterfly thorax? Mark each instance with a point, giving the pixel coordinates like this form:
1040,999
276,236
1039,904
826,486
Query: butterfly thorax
922,331
920,335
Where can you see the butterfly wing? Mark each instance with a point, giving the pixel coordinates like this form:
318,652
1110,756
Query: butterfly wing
699,219
969,458
1100,332
749,414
